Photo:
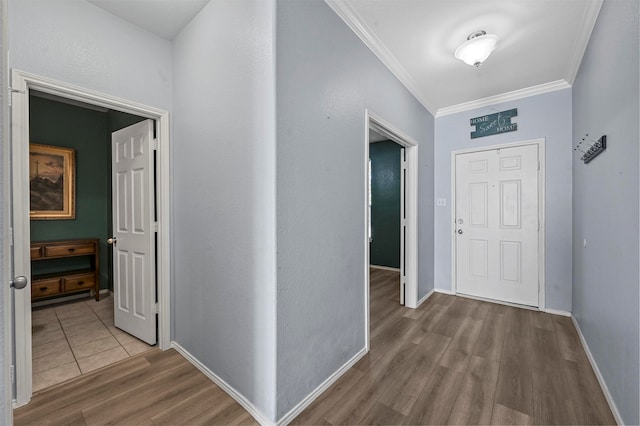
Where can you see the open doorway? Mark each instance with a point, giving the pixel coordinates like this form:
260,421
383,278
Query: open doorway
23,85
386,189
391,218
387,169
73,331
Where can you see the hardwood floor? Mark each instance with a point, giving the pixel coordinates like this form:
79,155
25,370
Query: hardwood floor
462,361
154,388
452,361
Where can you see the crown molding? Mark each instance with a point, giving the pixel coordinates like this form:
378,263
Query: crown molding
588,20
368,37
504,97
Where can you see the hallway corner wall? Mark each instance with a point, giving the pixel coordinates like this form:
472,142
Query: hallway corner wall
606,215
327,78
224,286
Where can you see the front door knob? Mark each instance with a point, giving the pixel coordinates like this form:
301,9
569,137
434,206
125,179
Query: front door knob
112,240
460,231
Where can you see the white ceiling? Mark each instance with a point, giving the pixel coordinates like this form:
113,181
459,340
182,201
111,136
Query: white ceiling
541,45
541,42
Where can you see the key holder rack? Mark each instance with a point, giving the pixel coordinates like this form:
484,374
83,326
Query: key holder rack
591,148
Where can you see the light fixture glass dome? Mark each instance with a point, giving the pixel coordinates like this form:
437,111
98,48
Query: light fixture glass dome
477,48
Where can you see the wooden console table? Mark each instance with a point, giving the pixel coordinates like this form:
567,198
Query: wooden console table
66,282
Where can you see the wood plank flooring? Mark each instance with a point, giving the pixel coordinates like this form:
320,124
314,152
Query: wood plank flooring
452,361
154,388
462,361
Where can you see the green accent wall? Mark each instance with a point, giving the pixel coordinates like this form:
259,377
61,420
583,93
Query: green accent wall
385,204
89,133
117,120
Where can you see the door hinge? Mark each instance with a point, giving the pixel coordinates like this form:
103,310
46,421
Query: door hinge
154,143
11,236
155,226
13,373
156,309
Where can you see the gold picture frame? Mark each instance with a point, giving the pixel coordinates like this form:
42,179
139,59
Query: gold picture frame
52,182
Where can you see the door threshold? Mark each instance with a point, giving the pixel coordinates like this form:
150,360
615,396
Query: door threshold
500,302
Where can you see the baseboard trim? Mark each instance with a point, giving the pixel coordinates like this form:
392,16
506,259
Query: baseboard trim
497,302
295,411
443,291
596,370
386,268
424,299
237,396
67,298
557,312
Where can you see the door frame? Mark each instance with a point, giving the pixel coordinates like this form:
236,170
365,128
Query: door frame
540,143
5,232
380,125
21,83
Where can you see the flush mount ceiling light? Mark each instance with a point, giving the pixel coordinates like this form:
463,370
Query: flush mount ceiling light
477,48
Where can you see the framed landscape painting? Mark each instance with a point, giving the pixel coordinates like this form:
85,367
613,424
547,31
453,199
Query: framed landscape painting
52,182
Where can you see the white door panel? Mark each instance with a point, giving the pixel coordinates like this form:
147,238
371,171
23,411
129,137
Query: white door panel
133,227
497,224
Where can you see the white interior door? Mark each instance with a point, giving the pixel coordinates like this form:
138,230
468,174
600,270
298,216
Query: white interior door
134,271
497,224
19,237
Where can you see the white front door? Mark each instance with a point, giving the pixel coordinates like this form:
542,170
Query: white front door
134,259
497,224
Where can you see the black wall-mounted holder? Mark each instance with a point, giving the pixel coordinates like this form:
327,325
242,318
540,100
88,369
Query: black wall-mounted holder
593,148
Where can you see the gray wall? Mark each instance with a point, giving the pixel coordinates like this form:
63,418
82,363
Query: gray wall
326,79
605,201
79,43
224,195
426,213
543,116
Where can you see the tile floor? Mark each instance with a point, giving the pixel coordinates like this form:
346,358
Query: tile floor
74,338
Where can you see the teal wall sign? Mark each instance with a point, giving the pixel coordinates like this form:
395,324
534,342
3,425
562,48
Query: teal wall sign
493,124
